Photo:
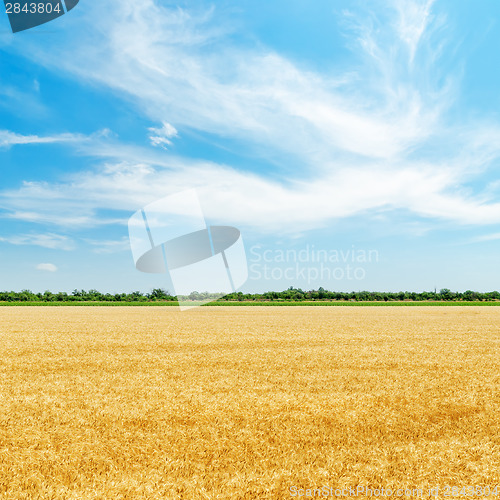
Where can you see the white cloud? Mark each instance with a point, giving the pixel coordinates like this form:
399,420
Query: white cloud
356,136
109,246
55,213
49,240
162,136
157,56
414,18
51,268
486,237
8,139
250,201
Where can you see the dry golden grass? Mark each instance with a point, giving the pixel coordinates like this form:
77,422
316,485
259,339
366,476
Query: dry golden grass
151,403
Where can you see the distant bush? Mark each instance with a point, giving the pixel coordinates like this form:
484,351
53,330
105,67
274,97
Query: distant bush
290,295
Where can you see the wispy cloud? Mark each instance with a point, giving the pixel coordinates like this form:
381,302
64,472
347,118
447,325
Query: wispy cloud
55,213
486,237
248,200
109,246
162,136
158,56
49,240
413,20
376,138
8,139
22,98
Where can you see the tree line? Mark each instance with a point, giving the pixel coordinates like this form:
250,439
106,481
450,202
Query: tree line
291,294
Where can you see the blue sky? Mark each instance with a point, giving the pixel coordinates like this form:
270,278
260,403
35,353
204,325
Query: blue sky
339,126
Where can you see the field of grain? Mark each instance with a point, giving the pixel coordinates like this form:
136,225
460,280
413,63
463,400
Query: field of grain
151,403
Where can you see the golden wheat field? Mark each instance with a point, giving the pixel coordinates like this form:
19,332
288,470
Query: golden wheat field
246,402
